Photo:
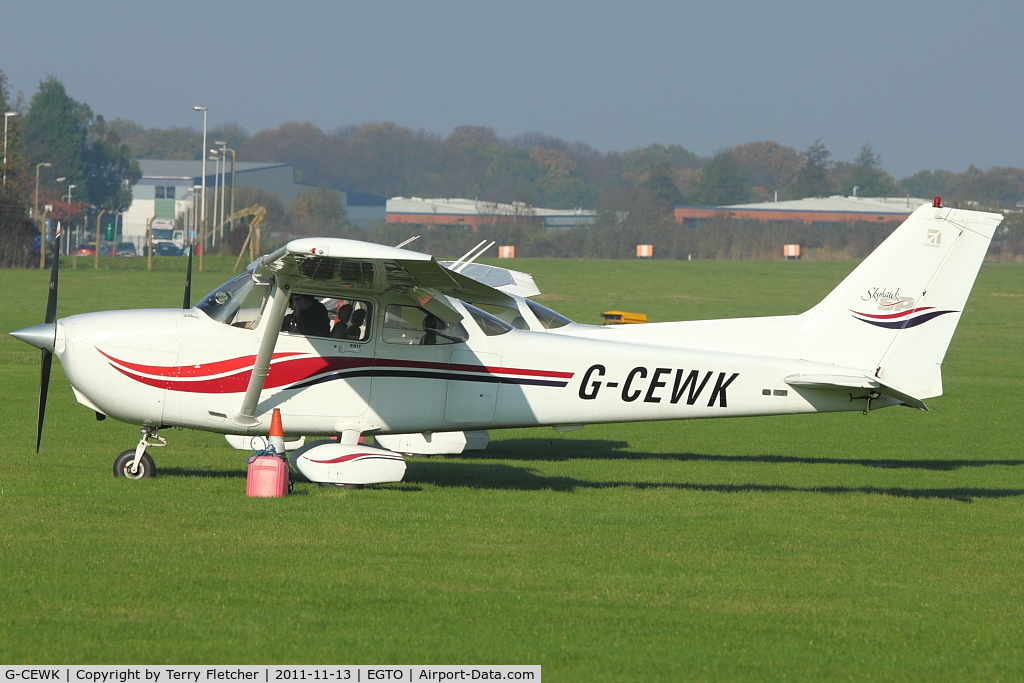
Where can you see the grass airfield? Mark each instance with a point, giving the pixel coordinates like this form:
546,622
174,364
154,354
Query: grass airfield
832,547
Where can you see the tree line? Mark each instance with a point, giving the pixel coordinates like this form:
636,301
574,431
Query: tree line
87,167
633,191
389,160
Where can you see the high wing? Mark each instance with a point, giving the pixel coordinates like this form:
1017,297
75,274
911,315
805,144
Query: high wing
342,268
505,280
346,268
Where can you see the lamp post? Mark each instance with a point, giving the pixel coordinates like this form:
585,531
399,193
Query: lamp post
7,116
202,235
35,205
195,215
35,216
223,186
214,157
232,211
71,187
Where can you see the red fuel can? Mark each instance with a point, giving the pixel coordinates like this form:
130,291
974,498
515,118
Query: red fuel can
267,477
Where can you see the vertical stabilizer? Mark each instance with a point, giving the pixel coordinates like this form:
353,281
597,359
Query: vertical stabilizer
895,314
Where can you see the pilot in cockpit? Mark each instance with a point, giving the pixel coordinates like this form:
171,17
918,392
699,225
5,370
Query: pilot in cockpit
308,317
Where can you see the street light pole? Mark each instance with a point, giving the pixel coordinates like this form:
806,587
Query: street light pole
232,212
7,116
214,157
223,187
35,216
35,205
202,229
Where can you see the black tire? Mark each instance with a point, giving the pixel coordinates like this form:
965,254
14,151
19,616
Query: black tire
123,463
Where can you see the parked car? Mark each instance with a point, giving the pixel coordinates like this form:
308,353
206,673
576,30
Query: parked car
167,249
126,249
89,249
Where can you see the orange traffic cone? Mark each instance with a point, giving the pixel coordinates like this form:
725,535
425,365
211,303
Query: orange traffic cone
276,435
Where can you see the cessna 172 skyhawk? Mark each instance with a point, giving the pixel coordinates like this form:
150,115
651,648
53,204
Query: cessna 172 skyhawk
420,349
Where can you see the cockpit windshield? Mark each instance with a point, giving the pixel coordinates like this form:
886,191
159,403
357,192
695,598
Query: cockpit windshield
238,302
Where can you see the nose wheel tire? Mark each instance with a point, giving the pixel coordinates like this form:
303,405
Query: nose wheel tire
123,465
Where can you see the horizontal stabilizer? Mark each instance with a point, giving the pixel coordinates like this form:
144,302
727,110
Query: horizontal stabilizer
846,382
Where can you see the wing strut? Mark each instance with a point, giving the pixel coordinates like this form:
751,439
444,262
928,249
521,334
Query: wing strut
271,324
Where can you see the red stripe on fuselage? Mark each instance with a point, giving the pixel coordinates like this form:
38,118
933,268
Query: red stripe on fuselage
356,456
284,370
889,316
201,370
282,373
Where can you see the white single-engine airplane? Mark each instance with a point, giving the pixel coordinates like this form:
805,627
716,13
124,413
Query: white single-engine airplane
414,351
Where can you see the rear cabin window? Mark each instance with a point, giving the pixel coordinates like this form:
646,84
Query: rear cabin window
507,314
548,318
411,325
488,324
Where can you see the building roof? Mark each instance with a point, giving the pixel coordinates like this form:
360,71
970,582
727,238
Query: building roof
836,203
184,170
474,207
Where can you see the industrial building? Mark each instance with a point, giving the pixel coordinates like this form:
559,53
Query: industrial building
475,213
812,210
165,190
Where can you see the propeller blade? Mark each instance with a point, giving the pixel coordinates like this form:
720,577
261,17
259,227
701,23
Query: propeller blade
51,316
187,303
44,387
51,299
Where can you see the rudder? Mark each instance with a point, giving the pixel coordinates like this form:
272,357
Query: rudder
895,314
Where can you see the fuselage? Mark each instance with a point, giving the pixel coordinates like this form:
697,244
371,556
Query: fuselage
173,367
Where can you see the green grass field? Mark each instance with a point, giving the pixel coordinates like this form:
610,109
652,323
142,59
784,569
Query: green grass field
832,547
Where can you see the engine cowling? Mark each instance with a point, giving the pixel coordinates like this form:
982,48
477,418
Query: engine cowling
330,462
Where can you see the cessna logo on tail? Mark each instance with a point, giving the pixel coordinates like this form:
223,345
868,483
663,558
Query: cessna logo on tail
684,385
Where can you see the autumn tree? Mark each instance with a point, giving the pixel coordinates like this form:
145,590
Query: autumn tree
661,187
80,147
109,170
769,165
318,212
16,230
56,127
722,182
812,179
927,184
866,175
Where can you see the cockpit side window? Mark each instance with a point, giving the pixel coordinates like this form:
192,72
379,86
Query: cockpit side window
412,325
350,318
548,318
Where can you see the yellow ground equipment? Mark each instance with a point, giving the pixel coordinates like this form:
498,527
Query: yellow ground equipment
623,318
252,240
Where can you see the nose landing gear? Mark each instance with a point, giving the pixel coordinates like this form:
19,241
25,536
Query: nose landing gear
135,463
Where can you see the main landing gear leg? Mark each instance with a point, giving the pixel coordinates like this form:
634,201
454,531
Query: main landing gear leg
136,463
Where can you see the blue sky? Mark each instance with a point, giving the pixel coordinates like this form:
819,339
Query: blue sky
928,84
